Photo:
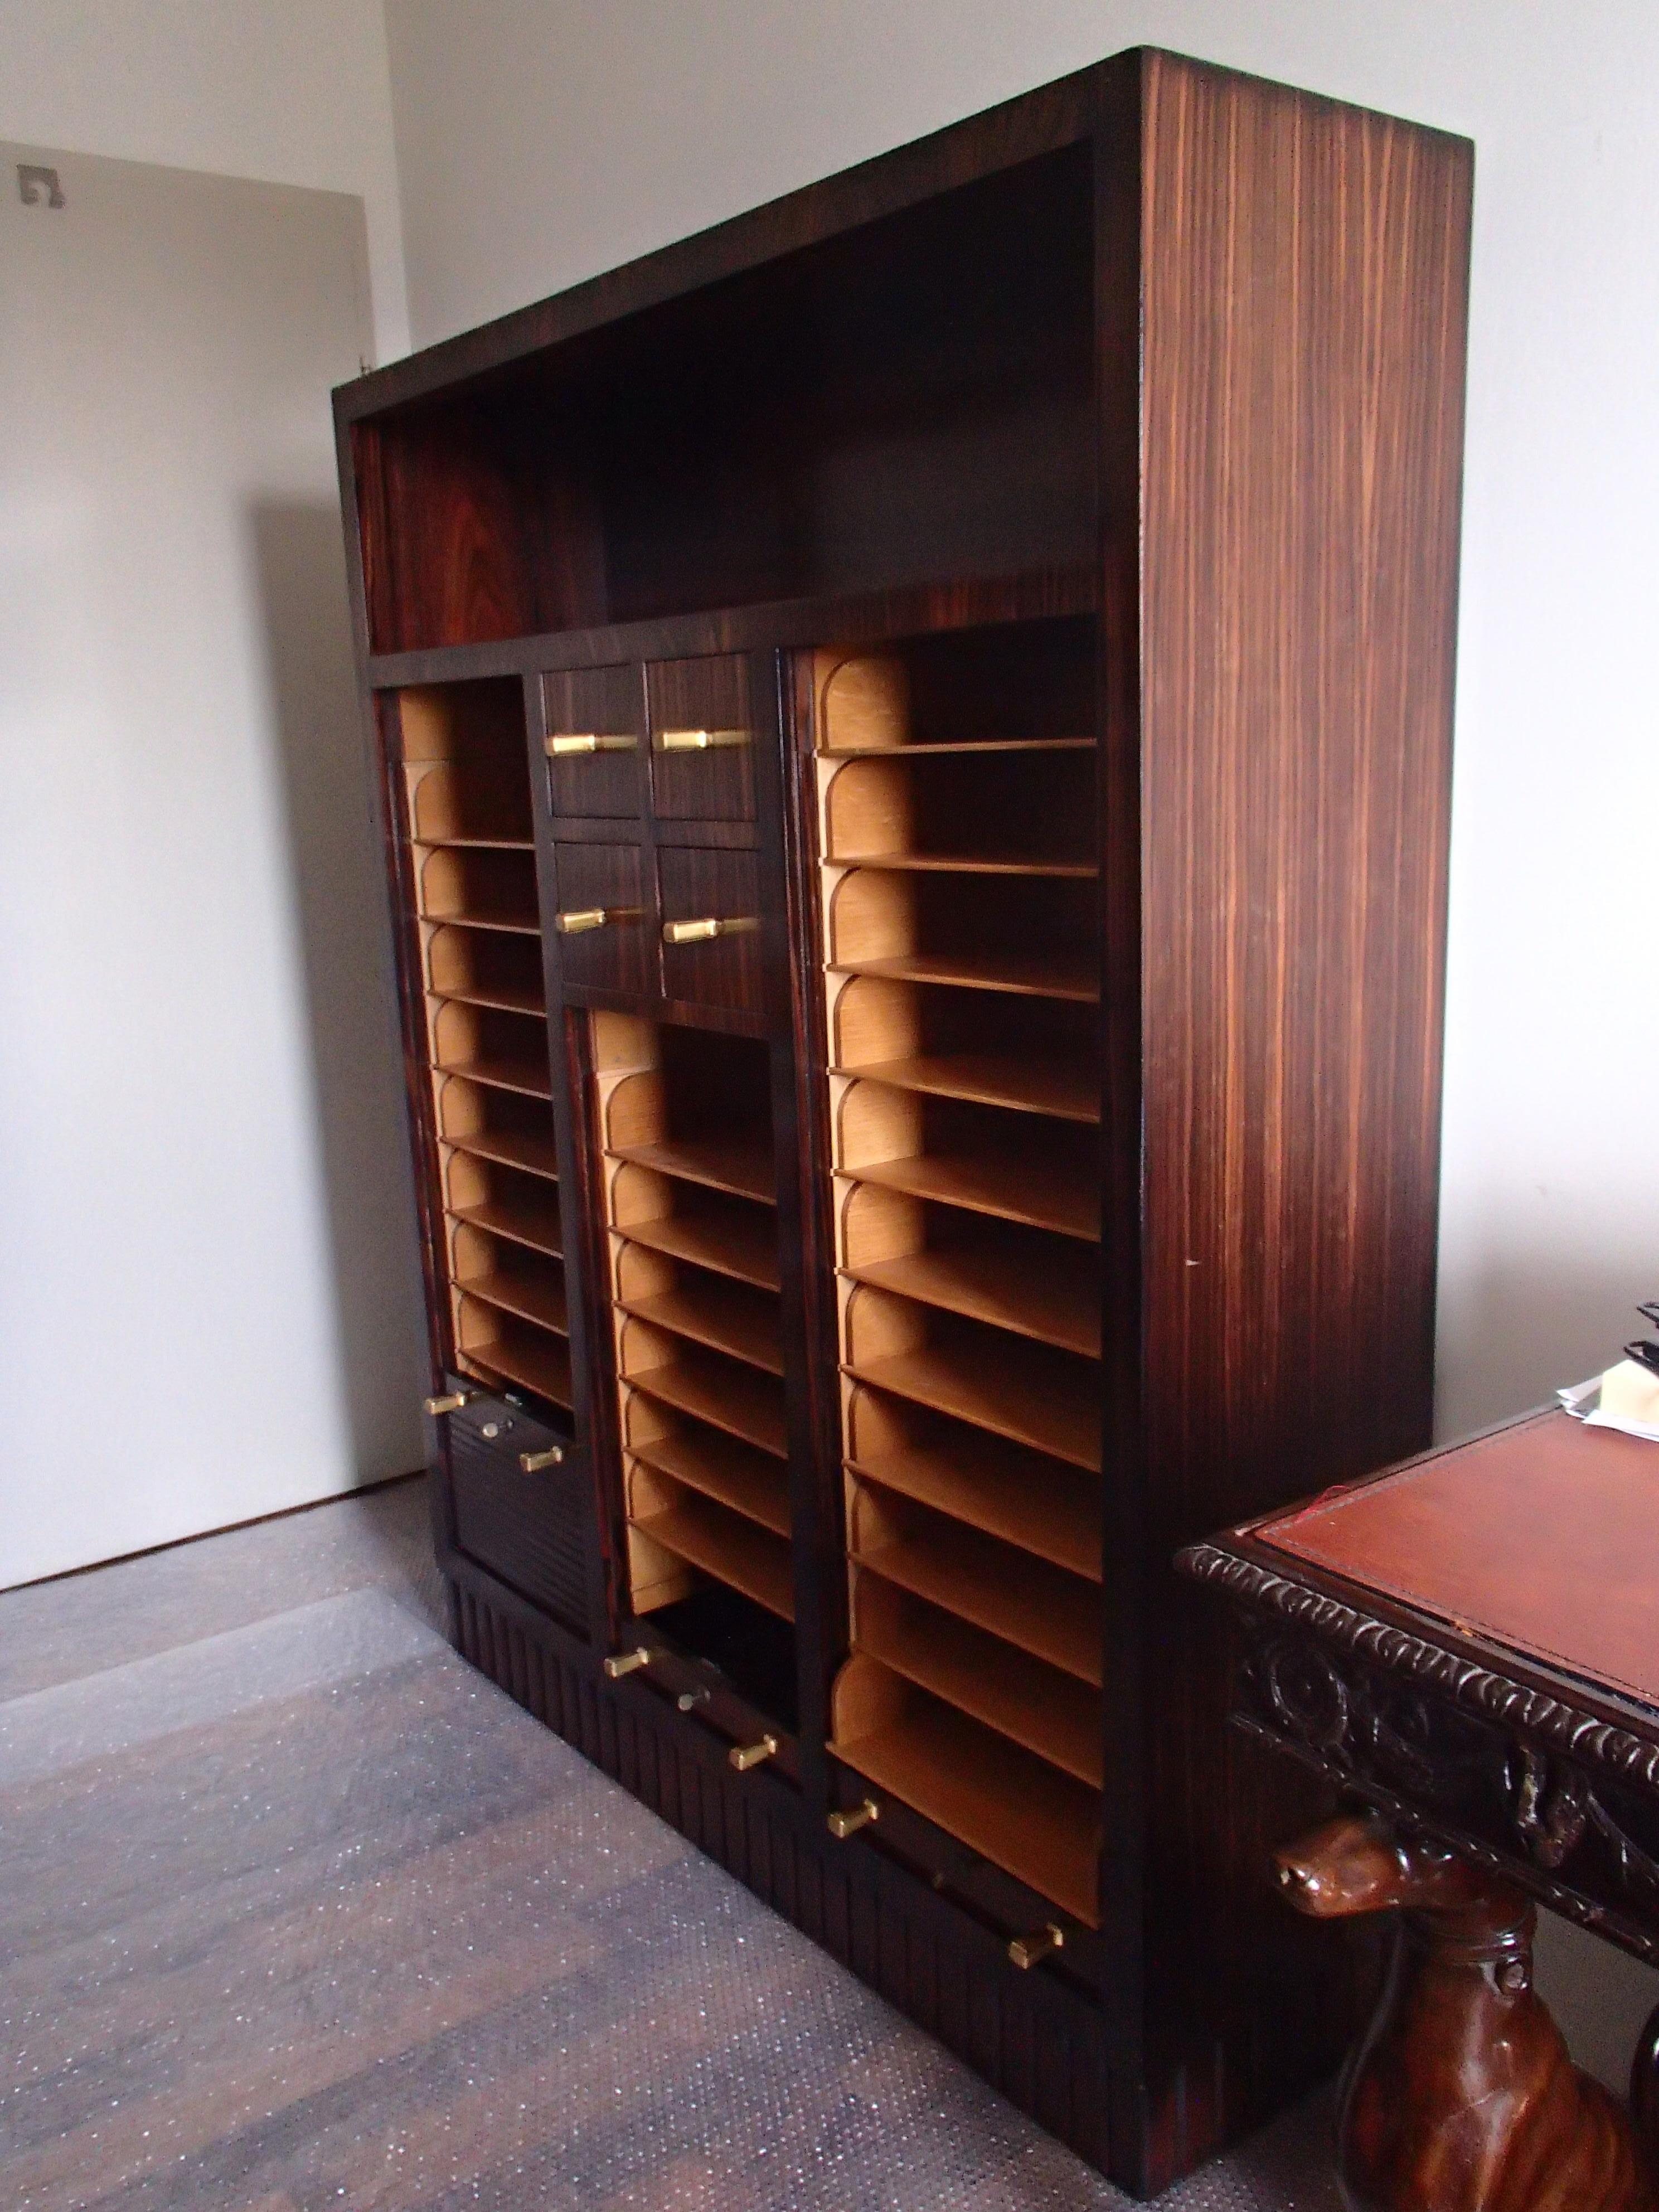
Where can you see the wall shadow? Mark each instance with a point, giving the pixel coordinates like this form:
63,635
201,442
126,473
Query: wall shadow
337,889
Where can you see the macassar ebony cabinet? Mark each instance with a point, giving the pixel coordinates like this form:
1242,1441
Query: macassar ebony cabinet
913,730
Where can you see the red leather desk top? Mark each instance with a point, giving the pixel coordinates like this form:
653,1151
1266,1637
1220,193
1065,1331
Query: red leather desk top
1543,1536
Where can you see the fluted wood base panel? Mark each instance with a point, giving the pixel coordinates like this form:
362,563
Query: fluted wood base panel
1028,2034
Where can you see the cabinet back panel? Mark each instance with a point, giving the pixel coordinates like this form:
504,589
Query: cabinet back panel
908,400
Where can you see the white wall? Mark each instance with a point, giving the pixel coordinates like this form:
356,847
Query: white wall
206,1257
292,91
536,145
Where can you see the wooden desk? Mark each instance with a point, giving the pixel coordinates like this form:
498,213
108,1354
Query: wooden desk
1471,1641
1469,1644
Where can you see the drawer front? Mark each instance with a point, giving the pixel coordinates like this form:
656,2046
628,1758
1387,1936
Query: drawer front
711,901
531,1528
605,926
595,741
702,739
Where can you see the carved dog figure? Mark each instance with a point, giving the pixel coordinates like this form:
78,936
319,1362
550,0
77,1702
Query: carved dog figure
1459,2096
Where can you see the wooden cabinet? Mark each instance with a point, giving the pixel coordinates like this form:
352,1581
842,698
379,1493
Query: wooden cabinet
915,731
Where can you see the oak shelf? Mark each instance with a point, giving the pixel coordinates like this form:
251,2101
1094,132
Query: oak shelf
1029,1191
726,1244
539,1229
1059,1304
928,749
534,1155
1051,1615
740,1400
741,1169
473,844
1014,1808
530,1298
734,1550
969,864
499,1000
1007,1385
515,924
707,1460
1024,976
534,1362
726,1318
1050,1712
1042,1506
528,1080
1069,1094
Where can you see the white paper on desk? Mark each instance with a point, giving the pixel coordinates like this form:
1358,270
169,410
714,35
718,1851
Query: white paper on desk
1626,1398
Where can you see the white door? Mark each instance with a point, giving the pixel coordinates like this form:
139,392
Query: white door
207,1299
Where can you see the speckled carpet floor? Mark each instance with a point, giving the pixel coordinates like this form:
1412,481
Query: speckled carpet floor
297,1911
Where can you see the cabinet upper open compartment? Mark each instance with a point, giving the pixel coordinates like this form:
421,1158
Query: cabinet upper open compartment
903,402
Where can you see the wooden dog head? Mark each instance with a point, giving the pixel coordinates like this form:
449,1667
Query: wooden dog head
1354,1866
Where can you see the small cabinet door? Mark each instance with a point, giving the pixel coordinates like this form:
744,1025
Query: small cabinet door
595,741
603,925
702,739
711,931
522,1502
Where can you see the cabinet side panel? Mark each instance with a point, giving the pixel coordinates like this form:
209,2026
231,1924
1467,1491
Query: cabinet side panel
1305,292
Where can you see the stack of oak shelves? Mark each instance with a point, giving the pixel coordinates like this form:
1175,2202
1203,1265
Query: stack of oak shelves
914,736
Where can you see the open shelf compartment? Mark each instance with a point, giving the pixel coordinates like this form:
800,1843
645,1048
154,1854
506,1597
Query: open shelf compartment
957,842
683,1120
462,779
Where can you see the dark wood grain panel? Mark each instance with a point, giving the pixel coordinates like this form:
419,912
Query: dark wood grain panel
1305,300
709,695
602,702
607,879
720,886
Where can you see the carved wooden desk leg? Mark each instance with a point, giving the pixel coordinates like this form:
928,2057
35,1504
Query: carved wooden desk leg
1459,2096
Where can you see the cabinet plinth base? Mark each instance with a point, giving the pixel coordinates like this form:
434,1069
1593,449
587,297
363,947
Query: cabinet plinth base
1030,2035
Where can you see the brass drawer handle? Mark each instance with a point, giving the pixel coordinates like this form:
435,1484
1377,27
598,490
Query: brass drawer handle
1027,1951
451,1403
742,1756
696,932
700,741
576,919
534,1462
627,1662
565,745
842,1825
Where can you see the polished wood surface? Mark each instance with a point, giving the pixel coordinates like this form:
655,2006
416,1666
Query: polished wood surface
1065,507
1459,2096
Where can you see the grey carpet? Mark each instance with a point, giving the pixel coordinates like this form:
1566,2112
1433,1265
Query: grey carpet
298,1911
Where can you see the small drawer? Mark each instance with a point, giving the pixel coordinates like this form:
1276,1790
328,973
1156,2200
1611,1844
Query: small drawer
595,741
526,1516
603,923
702,739
711,927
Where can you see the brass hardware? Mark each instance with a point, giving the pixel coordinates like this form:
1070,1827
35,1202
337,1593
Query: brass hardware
688,1700
742,1756
576,919
533,1463
627,1662
700,741
842,1825
492,1430
451,1403
1028,1951
567,742
694,932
